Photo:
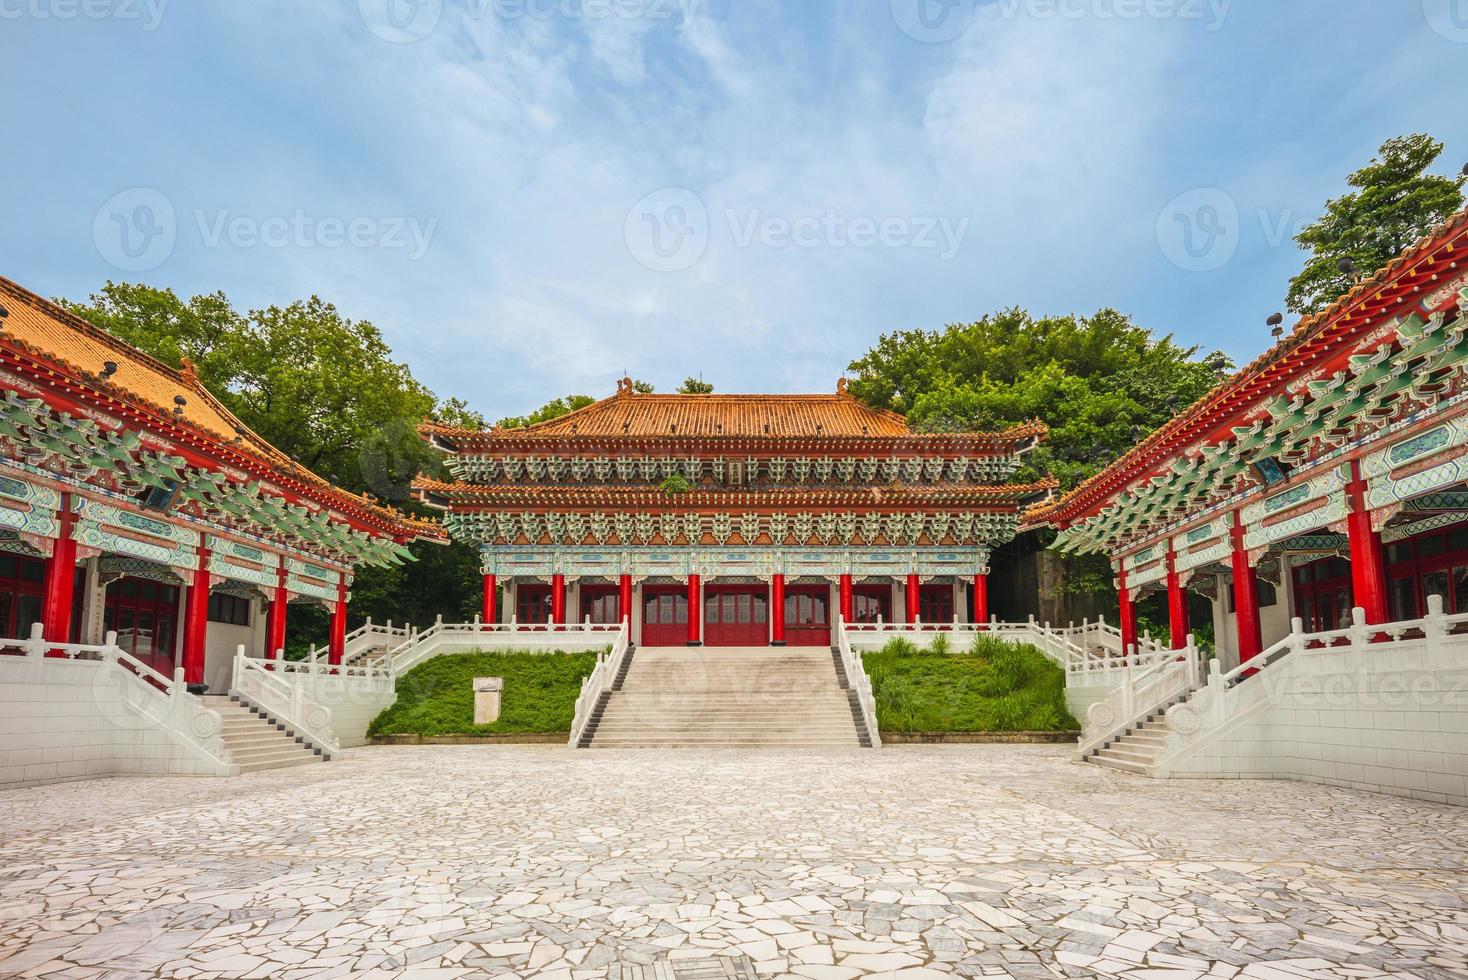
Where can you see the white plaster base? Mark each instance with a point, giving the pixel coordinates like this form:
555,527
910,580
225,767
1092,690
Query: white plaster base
354,702
67,719
1392,718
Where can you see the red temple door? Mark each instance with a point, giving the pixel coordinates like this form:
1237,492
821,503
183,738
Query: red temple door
736,616
664,615
808,615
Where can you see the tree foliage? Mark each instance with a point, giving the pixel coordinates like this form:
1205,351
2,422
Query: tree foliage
324,389
1098,382
695,386
1395,203
562,406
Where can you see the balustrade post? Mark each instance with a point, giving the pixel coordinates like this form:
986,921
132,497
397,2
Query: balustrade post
1434,627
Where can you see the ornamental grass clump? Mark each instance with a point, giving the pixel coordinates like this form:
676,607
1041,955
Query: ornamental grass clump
993,687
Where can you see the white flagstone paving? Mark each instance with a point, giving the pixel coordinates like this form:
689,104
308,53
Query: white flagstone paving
911,862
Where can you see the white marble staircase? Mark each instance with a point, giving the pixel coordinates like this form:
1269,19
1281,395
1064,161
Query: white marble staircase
745,697
255,743
1137,750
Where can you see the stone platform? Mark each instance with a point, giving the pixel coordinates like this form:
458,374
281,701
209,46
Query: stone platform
912,862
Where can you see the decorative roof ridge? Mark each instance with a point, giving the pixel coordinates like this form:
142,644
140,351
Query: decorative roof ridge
1022,430
431,485
186,376
1309,327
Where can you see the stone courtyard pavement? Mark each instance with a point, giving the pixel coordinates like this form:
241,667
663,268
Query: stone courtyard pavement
910,862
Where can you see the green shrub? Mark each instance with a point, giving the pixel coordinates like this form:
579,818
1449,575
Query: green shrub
437,697
995,687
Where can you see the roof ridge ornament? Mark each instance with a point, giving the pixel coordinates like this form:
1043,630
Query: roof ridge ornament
625,386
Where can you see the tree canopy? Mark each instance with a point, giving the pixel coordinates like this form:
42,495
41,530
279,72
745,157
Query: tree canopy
324,389
695,386
564,405
1395,202
1099,382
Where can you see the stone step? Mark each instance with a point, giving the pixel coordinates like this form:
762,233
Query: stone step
684,743
281,763
248,740
1119,764
1120,753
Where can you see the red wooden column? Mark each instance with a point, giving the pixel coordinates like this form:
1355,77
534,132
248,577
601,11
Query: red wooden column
1246,596
275,622
1128,615
777,610
1177,604
196,624
624,600
337,645
695,612
60,584
913,596
1368,561
845,599
489,612
981,599
558,599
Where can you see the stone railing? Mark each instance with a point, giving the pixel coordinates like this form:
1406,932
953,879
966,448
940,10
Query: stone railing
442,638
1327,673
363,640
286,703
1143,690
861,683
600,681
159,701
1076,649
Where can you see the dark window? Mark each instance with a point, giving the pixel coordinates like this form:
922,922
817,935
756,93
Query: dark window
231,610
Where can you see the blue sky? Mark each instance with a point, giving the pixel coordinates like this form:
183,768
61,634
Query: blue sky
531,197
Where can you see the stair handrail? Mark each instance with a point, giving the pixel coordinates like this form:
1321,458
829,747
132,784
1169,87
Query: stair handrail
1210,710
598,682
861,683
287,703
163,701
1144,689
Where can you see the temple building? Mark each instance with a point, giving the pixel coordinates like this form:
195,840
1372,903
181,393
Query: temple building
732,520
1328,474
132,501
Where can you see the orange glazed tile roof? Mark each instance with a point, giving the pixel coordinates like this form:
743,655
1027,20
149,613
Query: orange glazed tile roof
627,413
631,415
61,341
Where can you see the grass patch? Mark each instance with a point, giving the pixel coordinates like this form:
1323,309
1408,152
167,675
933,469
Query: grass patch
437,697
994,687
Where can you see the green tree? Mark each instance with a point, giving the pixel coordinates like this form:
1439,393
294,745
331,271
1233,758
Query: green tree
695,386
1098,382
324,389
1396,202
550,410
204,329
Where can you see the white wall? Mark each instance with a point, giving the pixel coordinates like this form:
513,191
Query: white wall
67,719
1392,718
354,703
